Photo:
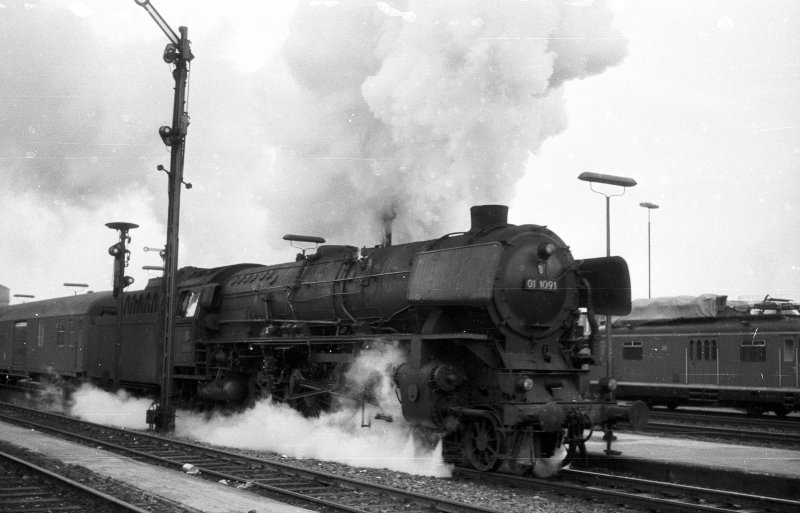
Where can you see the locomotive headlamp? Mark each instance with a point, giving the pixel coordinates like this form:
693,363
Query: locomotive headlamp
524,384
545,250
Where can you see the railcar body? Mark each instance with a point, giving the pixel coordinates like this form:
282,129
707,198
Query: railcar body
708,351
495,359
55,335
74,339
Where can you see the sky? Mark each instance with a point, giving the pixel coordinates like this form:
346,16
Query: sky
325,118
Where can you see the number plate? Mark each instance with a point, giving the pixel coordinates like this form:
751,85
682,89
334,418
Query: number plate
537,284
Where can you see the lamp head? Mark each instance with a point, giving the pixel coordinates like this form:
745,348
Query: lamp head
621,181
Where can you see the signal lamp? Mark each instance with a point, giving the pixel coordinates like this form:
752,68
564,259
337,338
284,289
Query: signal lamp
116,250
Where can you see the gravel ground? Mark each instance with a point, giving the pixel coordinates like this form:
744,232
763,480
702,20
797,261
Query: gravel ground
510,500
105,484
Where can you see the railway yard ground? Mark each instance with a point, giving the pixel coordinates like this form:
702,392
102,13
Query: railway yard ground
167,485
757,470
750,469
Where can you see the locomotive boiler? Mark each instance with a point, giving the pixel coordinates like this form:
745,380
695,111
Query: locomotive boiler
495,360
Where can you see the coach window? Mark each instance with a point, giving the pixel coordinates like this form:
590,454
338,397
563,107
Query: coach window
188,303
714,350
60,333
788,350
631,350
753,351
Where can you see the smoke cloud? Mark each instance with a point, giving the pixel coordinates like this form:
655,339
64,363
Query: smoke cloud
422,108
370,110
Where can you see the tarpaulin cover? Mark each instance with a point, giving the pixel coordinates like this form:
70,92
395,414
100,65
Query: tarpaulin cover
679,307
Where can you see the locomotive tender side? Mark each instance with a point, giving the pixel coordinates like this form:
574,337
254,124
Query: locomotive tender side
495,360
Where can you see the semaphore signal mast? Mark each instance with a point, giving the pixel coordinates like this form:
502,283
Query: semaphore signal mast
178,53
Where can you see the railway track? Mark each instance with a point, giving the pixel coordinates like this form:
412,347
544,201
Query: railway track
648,494
26,487
276,480
337,493
729,426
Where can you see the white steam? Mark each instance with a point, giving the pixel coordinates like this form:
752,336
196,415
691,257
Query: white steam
337,436
118,410
422,107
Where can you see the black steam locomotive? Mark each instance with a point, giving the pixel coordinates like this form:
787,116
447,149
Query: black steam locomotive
495,359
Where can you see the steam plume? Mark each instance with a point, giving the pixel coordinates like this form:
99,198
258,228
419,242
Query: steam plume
426,106
420,107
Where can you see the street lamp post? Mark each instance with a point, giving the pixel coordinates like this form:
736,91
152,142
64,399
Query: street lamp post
72,285
624,183
649,207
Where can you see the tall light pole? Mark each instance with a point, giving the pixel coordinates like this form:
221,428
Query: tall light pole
624,183
649,207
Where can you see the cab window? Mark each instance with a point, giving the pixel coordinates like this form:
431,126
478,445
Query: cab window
188,303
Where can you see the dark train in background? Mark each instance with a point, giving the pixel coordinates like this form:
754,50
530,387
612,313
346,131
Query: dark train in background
708,351
496,360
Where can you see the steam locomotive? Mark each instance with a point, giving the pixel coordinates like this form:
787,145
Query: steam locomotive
495,360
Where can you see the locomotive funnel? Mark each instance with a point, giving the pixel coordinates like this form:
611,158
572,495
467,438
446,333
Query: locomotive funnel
485,217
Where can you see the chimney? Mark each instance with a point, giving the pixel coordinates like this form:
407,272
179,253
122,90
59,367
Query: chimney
485,217
388,217
387,234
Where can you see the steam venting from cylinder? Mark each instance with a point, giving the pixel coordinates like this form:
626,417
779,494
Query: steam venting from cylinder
486,217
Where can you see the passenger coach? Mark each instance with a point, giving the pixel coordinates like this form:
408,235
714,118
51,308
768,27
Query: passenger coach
54,338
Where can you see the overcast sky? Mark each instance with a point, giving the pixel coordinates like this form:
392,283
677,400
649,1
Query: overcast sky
323,117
